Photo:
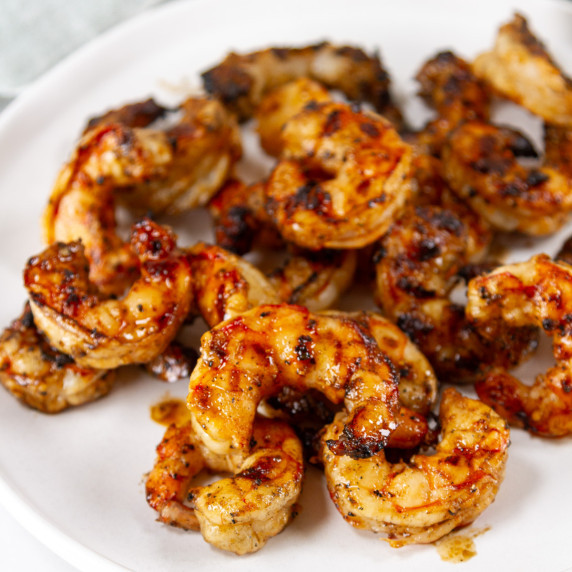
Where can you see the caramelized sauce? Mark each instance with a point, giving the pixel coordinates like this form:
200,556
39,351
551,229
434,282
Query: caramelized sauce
459,547
170,410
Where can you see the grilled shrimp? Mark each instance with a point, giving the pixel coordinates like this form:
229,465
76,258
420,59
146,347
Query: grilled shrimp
270,347
417,380
308,278
344,175
242,80
280,105
106,333
520,68
240,219
421,500
174,363
315,280
537,292
151,170
238,513
225,285
417,266
448,85
309,411
480,164
42,377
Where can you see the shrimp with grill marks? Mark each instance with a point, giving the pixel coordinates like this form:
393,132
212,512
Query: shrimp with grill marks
537,292
242,80
451,89
421,500
149,169
225,285
314,279
281,104
240,219
448,85
417,266
520,68
238,513
42,377
106,333
480,164
255,355
310,411
343,176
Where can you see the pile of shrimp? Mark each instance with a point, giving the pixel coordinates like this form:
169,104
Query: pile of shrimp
284,375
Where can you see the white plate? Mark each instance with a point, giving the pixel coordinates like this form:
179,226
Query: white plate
76,479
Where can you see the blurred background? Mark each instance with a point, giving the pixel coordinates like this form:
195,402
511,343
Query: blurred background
36,34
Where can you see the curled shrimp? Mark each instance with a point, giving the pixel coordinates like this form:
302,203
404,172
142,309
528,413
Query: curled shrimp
238,513
417,381
344,175
42,377
421,500
418,264
242,80
537,292
315,280
106,333
520,68
225,285
240,219
149,169
255,355
281,104
309,411
449,86
480,164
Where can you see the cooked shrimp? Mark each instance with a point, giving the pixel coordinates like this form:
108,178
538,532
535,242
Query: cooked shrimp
520,68
309,411
138,114
417,380
280,105
448,85
480,164
417,267
152,170
539,293
242,80
175,362
106,333
42,377
421,500
253,356
239,513
344,176
433,190
314,279
240,218
225,285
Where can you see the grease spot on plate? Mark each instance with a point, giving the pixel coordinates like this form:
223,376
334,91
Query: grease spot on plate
459,547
